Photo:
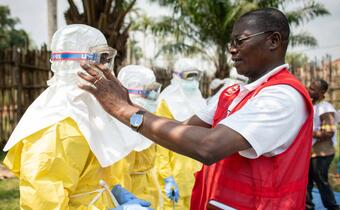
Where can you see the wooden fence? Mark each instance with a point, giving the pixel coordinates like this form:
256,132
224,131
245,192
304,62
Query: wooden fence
23,76
322,69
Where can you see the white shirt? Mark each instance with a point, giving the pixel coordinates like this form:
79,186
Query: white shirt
320,109
269,121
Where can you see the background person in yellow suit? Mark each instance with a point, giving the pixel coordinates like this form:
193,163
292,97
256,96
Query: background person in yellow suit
143,91
66,150
180,100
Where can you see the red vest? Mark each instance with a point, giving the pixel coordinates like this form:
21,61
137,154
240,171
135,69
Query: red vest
274,183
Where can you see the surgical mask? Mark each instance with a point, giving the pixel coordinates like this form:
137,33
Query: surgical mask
189,86
150,105
101,54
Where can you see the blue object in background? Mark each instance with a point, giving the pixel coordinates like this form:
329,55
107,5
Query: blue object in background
317,199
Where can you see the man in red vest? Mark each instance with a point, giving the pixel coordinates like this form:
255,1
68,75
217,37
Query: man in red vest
254,140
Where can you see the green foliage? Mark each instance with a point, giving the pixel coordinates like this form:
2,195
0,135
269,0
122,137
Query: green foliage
198,26
296,16
9,35
296,60
9,194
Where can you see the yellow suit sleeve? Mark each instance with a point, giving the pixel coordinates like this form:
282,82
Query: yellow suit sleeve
50,162
163,159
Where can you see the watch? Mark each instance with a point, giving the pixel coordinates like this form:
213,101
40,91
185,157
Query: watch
136,120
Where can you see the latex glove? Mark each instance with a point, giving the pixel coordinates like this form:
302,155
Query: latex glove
171,188
131,205
125,197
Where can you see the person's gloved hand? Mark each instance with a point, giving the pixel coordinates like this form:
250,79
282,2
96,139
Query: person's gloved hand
125,198
171,188
132,205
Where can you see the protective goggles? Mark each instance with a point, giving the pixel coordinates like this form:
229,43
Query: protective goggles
189,75
97,55
150,91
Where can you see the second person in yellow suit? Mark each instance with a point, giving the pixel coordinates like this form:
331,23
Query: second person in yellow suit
180,100
143,91
67,151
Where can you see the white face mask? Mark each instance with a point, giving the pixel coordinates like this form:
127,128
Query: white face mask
189,86
150,105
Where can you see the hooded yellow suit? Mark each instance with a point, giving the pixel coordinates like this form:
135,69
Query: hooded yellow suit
57,170
144,180
170,163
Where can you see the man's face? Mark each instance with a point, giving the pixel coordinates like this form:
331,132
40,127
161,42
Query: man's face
250,56
315,91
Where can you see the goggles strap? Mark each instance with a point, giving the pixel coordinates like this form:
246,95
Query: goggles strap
136,92
73,56
178,74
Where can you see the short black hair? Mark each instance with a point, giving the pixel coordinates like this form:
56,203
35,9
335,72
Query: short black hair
269,19
323,85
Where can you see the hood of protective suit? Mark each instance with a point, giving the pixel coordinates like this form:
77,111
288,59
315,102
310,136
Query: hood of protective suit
236,76
136,77
215,83
63,98
183,98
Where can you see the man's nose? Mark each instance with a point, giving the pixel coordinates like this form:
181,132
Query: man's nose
233,50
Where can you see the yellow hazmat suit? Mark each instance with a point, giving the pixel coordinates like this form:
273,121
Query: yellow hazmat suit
137,79
144,178
182,168
57,170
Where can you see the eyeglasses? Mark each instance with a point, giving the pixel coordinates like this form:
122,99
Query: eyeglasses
237,42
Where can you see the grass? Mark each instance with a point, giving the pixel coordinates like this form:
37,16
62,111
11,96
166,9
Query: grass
9,194
9,191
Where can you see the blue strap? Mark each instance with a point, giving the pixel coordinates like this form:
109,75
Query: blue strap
138,92
73,56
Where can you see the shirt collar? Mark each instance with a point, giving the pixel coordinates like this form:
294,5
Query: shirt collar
264,78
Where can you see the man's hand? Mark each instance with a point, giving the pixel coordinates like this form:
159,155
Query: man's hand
105,87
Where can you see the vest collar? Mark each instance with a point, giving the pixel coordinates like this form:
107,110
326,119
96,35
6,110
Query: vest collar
264,78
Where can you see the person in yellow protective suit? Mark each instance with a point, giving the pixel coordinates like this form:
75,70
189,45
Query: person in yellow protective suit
66,150
180,100
143,91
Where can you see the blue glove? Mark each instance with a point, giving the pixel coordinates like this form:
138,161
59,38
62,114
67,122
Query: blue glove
125,197
132,205
171,188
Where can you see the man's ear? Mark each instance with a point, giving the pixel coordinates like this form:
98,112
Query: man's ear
275,41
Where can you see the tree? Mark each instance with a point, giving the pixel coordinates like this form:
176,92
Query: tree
296,60
109,17
9,35
200,26
306,11
52,23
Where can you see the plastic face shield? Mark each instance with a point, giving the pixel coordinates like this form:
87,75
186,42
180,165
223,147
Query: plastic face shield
150,91
97,55
189,75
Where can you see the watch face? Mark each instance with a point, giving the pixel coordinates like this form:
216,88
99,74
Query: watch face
136,120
